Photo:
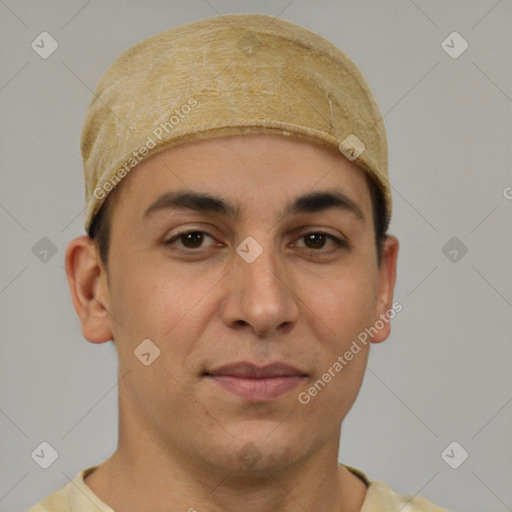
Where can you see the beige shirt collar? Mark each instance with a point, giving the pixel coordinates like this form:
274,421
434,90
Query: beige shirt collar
77,496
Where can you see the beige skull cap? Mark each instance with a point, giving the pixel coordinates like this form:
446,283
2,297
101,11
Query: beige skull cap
228,75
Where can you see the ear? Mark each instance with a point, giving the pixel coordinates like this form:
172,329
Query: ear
87,281
384,309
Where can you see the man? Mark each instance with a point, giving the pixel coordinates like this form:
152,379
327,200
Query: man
237,255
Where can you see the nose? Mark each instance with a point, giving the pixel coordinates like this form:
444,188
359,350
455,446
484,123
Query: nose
259,295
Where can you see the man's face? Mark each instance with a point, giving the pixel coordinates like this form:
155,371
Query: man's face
209,299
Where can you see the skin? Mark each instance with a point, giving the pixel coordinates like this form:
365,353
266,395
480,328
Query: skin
182,436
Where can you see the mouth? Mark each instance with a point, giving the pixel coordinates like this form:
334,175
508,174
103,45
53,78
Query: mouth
255,383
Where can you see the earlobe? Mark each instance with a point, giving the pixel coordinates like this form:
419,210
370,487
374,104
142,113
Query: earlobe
89,291
384,309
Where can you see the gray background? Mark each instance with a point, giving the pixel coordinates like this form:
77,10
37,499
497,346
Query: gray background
442,376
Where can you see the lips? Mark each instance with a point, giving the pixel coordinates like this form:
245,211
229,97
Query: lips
257,383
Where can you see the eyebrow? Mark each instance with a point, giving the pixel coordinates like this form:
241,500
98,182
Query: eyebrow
311,202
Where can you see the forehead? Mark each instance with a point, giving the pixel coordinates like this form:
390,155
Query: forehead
239,175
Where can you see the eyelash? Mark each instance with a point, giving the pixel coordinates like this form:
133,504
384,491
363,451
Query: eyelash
340,244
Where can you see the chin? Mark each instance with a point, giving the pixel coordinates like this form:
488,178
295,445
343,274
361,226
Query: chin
262,449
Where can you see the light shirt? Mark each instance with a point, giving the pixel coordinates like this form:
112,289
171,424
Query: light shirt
77,496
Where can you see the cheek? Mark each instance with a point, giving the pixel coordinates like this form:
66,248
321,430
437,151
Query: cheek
163,304
330,395
151,297
343,302
339,307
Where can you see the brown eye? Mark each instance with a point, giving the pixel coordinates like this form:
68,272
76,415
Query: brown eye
317,240
192,240
189,239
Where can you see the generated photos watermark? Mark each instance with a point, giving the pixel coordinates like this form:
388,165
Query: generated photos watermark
343,360
139,154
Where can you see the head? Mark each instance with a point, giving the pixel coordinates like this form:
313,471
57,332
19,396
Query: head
286,261
302,301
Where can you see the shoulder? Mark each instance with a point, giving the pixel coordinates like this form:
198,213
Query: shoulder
55,502
381,498
75,496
